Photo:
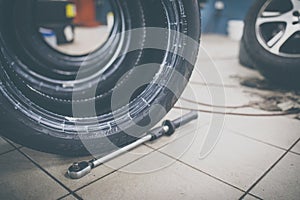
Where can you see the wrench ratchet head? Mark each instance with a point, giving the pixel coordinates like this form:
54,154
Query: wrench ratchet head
78,170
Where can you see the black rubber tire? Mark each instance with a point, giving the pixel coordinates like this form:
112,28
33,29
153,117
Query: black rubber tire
38,117
244,58
278,69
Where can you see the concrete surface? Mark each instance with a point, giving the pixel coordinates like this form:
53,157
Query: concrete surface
252,158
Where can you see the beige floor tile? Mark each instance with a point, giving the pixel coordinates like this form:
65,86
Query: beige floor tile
209,73
69,197
211,46
235,159
249,197
282,182
279,131
249,110
58,165
177,181
226,72
21,179
129,157
230,98
5,146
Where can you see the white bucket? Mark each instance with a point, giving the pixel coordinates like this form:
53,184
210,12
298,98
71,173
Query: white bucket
235,29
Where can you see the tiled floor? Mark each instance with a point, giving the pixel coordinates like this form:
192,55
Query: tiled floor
253,157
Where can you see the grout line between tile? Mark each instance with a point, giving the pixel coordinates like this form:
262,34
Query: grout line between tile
257,140
255,196
64,196
293,152
176,159
112,172
268,170
153,150
94,181
9,151
77,196
70,194
45,171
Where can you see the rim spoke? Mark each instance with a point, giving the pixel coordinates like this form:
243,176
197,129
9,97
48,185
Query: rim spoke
275,39
281,38
268,17
270,14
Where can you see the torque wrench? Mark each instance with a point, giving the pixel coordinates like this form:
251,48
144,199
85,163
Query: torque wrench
80,169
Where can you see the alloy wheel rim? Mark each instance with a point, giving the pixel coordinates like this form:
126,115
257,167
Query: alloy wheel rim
284,28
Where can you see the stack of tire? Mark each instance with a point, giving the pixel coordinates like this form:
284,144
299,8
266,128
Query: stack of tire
38,83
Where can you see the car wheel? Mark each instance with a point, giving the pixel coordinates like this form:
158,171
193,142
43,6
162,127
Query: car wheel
272,39
38,84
